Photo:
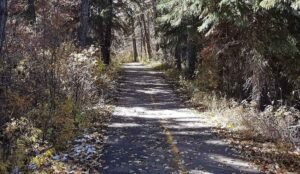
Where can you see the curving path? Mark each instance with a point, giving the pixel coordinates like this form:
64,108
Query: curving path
152,132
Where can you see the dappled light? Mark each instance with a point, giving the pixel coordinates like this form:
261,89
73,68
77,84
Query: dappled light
147,113
149,86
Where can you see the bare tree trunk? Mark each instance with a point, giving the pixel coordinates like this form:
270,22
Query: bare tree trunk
143,43
135,52
3,18
108,35
191,53
178,55
100,31
155,15
31,11
147,35
84,22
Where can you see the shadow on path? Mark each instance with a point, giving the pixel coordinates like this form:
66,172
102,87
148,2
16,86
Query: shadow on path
150,123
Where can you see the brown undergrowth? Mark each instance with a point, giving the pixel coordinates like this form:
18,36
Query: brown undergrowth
271,156
270,138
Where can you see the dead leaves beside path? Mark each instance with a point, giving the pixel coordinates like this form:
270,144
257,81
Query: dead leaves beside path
82,155
272,157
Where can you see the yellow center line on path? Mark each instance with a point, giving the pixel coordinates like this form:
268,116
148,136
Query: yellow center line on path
174,149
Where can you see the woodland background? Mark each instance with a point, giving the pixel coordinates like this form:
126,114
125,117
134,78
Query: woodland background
59,63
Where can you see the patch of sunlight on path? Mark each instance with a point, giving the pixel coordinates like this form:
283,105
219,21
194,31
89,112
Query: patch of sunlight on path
152,132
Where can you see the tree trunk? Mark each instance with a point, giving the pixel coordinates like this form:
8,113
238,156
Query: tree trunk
143,43
154,4
3,18
84,22
135,52
178,55
31,11
108,35
191,53
155,14
100,29
147,36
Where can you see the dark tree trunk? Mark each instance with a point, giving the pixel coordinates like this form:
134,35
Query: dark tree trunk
154,5
135,52
141,40
155,14
100,29
31,11
143,43
6,143
147,36
191,52
178,55
84,22
3,18
105,55
108,35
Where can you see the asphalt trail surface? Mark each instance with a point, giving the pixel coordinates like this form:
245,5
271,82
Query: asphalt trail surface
151,131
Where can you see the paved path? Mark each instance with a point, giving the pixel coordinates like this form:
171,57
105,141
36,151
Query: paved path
152,132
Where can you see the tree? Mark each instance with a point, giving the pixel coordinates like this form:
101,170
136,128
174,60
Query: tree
31,11
144,24
178,55
155,15
249,42
147,35
84,22
108,33
3,18
191,51
178,20
142,39
133,35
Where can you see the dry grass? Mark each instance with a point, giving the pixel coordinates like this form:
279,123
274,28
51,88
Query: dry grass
270,137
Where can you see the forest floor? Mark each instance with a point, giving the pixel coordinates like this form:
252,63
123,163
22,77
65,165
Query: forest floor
152,131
